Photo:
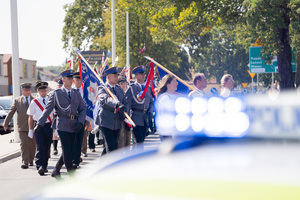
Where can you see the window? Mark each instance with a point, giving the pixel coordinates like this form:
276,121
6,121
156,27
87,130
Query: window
25,75
33,70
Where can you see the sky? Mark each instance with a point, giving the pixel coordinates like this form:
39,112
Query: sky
40,24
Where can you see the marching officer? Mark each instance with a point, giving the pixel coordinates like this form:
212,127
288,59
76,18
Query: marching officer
139,110
71,113
109,119
125,133
43,138
55,134
81,135
21,105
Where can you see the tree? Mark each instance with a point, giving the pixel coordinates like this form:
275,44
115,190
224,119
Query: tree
82,23
273,20
168,53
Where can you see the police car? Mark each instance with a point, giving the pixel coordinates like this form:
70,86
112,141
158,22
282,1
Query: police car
232,149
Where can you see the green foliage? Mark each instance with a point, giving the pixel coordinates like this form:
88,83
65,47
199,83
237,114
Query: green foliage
82,23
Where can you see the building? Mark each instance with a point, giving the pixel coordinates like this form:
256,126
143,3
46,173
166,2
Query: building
27,73
46,75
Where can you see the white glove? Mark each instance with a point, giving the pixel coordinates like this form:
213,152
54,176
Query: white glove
95,130
56,133
30,133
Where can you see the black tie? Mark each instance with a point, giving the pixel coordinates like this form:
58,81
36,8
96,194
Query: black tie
44,101
114,91
27,103
69,93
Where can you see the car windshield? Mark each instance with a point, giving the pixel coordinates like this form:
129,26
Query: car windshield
5,104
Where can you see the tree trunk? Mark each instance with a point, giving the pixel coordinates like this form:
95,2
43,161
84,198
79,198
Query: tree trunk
284,57
298,70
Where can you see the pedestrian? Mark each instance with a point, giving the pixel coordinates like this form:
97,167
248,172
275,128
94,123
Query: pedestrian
140,110
227,84
80,145
166,96
125,134
43,138
109,118
71,113
21,104
200,83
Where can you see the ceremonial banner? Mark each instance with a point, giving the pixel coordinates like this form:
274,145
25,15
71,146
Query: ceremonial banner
181,88
90,84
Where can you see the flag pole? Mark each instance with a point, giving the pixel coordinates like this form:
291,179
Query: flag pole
113,31
169,72
127,40
107,89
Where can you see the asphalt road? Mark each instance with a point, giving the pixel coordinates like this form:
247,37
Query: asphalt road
17,183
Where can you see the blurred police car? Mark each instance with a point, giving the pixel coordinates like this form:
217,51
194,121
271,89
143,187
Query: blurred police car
256,159
5,105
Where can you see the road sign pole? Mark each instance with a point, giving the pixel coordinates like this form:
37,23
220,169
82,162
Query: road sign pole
257,81
252,86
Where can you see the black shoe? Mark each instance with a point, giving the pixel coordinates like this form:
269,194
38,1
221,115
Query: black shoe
55,152
41,171
24,166
75,166
55,174
31,164
46,170
84,155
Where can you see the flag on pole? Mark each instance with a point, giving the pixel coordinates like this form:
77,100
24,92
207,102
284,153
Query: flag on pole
181,88
90,84
70,63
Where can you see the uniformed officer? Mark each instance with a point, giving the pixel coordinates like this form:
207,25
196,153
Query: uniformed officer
71,113
21,105
43,138
125,133
139,110
109,119
81,135
55,134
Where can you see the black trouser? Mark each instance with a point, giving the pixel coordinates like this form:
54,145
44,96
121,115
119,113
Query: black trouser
139,132
91,140
77,146
67,143
111,138
43,143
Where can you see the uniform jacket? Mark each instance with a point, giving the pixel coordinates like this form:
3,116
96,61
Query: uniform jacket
139,110
59,101
22,118
106,116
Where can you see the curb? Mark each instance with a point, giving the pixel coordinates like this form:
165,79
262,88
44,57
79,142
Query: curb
10,156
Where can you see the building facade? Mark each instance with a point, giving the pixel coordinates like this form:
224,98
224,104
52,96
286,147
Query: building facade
27,73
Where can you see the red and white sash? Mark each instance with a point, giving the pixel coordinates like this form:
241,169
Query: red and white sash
42,109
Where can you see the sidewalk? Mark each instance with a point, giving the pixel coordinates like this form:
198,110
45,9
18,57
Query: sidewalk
8,148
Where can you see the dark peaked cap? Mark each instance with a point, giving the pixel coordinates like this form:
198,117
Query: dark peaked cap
67,73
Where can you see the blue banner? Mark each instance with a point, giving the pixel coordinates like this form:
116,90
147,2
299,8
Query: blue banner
90,84
181,88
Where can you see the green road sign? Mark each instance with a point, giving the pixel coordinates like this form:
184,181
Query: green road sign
257,65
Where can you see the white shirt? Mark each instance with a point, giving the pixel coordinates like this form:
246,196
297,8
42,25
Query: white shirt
80,90
139,84
35,110
225,92
27,98
196,93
